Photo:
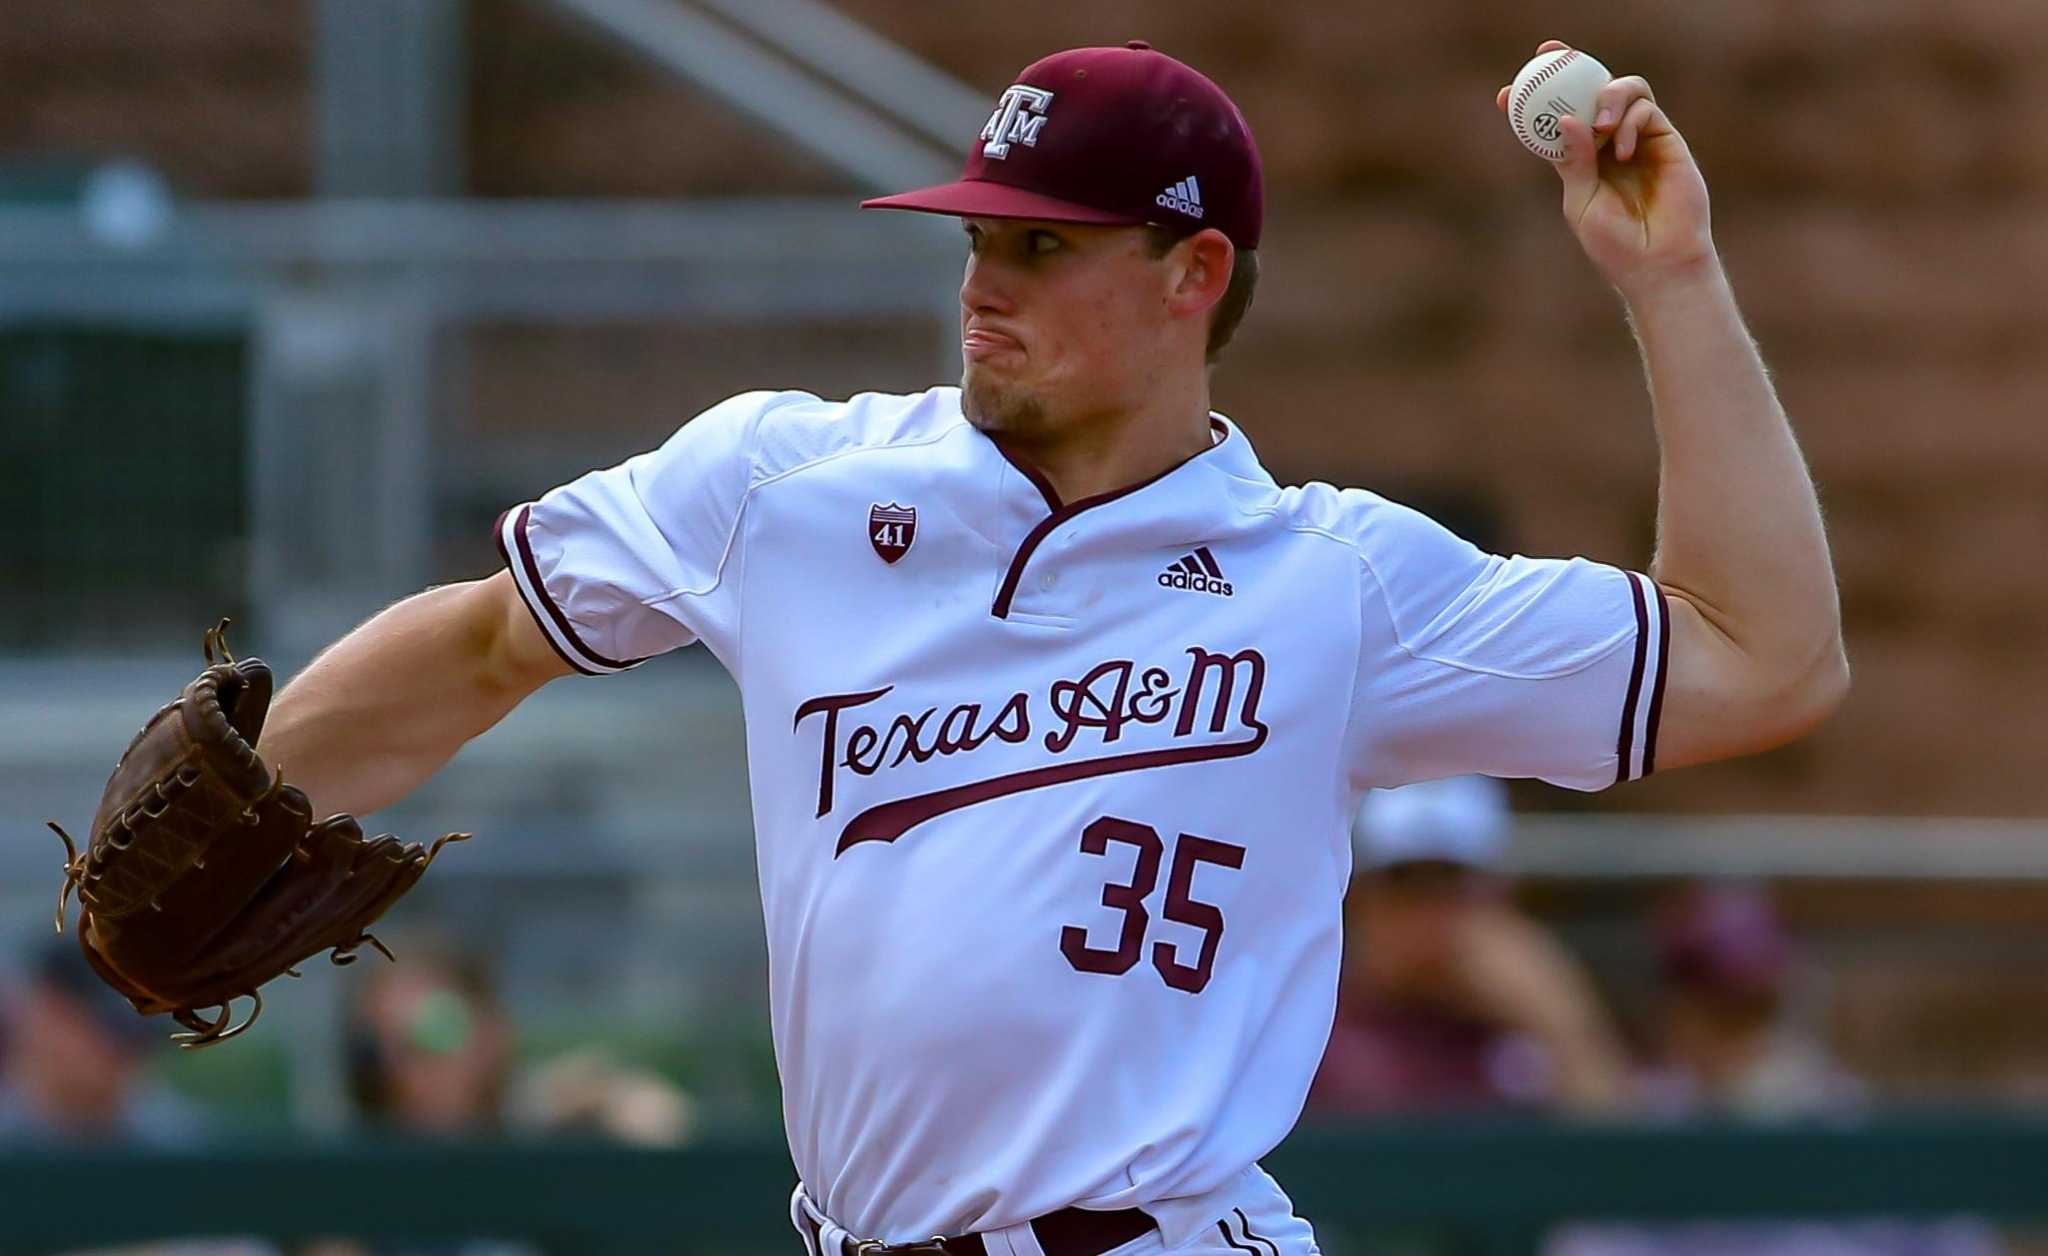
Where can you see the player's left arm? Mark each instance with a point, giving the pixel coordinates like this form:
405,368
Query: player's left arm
1756,655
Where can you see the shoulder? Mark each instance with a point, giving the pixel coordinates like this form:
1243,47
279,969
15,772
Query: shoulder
1388,537
778,433
1408,564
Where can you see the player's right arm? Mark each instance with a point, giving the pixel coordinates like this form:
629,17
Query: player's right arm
379,711
602,573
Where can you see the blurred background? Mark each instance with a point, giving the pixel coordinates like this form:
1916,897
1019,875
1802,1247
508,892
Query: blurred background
296,295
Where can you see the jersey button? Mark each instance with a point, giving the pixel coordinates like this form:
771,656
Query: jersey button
1048,580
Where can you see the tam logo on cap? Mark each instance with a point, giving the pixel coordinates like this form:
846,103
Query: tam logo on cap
1142,140
1019,117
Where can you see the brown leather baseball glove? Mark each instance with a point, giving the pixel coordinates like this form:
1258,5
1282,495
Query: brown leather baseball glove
206,875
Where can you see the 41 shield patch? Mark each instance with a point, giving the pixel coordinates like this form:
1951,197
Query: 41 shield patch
891,529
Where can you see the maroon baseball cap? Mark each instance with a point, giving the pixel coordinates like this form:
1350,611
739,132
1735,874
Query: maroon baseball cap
1111,136
1724,937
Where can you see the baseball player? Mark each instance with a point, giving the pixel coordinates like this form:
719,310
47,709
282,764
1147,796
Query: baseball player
1058,706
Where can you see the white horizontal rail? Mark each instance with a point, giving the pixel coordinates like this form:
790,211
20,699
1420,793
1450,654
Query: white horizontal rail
571,260
1779,848
370,232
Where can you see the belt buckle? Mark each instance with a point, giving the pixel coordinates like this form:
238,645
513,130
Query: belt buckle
933,1246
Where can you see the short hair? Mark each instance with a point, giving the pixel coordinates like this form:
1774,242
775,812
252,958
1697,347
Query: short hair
1230,309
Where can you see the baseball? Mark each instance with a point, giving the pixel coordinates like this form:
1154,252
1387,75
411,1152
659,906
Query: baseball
1549,87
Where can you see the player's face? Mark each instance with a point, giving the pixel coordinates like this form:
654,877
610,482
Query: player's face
1058,322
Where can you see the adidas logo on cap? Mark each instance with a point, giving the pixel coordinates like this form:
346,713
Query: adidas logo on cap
1183,197
1197,572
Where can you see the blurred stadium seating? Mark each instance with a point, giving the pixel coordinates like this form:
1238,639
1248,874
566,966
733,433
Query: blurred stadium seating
296,295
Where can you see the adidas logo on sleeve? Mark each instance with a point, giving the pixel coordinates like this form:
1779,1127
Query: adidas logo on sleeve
1184,197
1197,572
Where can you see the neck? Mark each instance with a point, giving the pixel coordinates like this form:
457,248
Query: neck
1097,453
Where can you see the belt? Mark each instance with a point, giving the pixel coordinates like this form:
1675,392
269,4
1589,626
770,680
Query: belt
1068,1232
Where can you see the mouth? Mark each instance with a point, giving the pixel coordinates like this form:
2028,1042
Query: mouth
979,344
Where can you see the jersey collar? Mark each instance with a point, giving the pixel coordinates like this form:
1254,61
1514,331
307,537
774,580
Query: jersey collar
1229,452
1181,501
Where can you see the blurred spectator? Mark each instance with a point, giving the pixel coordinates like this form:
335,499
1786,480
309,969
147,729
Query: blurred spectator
429,1052
590,1092
1727,1049
1451,998
76,1071
429,1048
76,1058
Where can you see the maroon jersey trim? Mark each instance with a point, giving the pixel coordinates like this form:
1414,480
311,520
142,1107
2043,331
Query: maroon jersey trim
1624,749
1231,1239
1060,514
531,568
1657,689
1244,1223
1624,746
1031,473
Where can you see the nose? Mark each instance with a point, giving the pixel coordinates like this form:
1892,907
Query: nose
983,290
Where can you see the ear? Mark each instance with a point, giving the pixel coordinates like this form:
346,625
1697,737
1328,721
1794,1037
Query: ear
1201,273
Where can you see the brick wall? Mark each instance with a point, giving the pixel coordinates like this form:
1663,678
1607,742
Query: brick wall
1426,326
214,93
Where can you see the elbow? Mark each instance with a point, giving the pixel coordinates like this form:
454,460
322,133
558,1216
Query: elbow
1736,697
1835,684
1813,694
1830,689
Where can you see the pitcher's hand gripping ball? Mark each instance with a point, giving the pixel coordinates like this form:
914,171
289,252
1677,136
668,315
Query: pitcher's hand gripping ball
206,876
1552,86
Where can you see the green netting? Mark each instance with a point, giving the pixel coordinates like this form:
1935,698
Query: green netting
121,466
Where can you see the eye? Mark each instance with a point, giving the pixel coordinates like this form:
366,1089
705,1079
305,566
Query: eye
973,234
1044,242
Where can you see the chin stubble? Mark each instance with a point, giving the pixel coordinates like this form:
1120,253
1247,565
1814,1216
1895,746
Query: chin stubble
993,408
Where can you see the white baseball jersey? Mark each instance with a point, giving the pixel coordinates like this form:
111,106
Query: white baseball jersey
1052,800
